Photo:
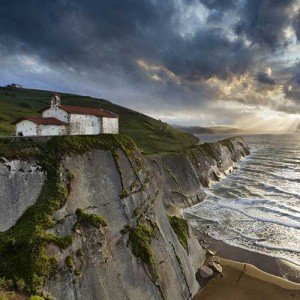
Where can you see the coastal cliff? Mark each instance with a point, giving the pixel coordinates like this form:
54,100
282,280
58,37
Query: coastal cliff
102,221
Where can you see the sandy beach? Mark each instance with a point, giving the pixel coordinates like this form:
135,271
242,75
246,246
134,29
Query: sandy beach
249,275
243,281
269,264
266,263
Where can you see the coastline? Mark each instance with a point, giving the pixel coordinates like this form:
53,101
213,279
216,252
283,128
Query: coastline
245,281
264,277
248,275
270,264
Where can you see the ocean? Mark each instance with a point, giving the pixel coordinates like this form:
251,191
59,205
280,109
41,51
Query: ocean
257,207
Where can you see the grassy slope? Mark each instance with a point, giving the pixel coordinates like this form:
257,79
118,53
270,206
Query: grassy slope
149,134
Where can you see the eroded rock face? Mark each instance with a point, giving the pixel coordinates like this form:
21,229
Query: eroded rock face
157,185
20,185
182,176
119,274
124,190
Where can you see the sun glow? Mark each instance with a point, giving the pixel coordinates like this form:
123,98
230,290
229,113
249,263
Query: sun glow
269,121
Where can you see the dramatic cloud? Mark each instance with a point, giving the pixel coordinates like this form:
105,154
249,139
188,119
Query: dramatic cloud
219,4
268,23
178,57
266,77
296,22
292,86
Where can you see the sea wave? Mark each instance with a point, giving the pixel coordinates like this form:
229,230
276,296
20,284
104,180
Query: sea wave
291,223
257,207
273,253
275,188
276,247
288,176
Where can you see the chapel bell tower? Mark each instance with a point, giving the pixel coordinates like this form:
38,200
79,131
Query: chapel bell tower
55,101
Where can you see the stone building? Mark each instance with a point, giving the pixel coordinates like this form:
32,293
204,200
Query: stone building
61,119
14,86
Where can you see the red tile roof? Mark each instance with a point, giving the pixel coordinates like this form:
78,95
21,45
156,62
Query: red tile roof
40,120
86,111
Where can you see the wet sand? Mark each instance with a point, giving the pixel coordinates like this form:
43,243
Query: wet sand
266,263
269,264
242,281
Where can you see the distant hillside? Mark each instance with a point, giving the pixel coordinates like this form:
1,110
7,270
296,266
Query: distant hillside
209,130
149,134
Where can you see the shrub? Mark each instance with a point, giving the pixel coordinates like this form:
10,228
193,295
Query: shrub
70,175
92,219
77,272
5,283
79,253
69,261
181,228
20,285
140,242
36,298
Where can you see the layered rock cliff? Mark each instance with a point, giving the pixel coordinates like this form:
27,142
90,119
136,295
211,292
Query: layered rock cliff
104,220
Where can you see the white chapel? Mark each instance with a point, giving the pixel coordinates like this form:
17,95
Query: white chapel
61,119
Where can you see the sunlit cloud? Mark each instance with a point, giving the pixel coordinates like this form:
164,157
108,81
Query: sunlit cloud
157,72
207,62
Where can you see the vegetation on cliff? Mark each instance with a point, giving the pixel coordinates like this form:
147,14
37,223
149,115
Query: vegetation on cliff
139,239
22,247
91,219
149,134
181,228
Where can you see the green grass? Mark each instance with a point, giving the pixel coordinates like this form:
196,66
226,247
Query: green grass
91,219
69,261
150,135
139,239
181,228
36,298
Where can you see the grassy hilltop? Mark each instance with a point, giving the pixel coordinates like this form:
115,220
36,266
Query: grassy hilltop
149,134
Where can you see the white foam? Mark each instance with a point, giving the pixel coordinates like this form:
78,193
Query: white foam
257,207
281,256
276,247
289,176
200,217
287,223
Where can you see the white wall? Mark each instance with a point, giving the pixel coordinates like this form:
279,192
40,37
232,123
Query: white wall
27,128
46,130
110,125
84,124
56,113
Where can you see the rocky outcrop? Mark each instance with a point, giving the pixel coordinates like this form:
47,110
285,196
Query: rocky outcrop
20,185
136,253
183,175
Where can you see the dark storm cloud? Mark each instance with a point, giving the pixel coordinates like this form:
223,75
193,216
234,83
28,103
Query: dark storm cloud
265,78
87,32
263,22
208,54
112,35
219,4
292,86
101,41
296,24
